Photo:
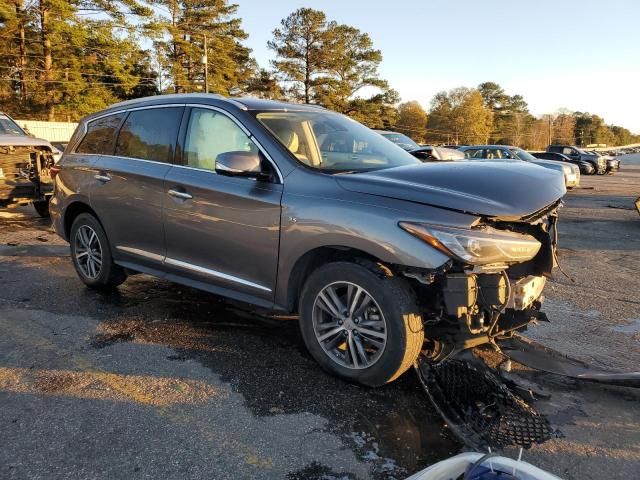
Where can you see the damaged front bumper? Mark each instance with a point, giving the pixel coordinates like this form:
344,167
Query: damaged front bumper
24,174
465,306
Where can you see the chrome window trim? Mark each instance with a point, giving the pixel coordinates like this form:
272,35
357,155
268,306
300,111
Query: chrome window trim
125,110
191,266
214,273
192,105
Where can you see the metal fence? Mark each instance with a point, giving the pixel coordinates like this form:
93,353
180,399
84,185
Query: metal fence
51,131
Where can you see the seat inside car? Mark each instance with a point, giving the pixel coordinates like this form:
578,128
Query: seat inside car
290,139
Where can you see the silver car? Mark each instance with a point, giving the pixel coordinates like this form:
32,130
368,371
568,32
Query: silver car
301,210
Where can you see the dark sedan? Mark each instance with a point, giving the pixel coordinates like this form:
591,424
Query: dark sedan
585,167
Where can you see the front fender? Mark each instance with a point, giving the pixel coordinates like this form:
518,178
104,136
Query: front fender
358,221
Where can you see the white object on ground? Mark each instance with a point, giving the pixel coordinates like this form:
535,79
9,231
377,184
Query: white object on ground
454,467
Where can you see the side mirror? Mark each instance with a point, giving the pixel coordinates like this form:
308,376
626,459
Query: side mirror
240,164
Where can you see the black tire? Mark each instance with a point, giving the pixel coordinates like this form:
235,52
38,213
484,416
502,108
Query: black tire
396,299
42,207
109,275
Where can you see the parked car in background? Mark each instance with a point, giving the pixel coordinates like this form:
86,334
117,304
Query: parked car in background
613,164
575,153
25,167
570,172
298,209
426,153
586,168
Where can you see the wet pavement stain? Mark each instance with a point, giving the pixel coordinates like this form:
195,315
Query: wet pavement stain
393,428
317,471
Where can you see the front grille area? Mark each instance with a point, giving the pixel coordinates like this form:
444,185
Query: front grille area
24,173
17,164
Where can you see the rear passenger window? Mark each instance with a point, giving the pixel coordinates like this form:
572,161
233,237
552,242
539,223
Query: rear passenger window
101,135
211,133
150,134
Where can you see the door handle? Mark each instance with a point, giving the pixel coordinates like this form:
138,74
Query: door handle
102,178
181,195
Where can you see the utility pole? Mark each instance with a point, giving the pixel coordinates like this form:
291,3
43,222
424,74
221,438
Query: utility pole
66,94
205,60
549,142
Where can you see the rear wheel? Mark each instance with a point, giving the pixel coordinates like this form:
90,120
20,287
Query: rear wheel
360,324
42,207
91,254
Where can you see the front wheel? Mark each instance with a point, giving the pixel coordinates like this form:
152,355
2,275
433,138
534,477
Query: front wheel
360,324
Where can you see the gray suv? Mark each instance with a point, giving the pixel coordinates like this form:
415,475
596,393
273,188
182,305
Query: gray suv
299,209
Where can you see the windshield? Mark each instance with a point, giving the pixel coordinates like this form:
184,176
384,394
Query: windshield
401,140
522,155
9,127
333,142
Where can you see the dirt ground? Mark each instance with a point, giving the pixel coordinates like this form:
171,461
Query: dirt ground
161,381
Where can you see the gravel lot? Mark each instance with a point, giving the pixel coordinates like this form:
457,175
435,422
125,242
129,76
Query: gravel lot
160,381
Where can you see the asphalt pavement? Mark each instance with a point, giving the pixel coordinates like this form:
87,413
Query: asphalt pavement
157,380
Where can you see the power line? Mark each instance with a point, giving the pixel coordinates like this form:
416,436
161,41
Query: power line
81,73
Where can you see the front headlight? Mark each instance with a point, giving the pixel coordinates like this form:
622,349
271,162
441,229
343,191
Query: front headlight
476,247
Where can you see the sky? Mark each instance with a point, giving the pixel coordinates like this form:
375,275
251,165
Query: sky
583,55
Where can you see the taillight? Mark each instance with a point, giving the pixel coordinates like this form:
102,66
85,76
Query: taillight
54,170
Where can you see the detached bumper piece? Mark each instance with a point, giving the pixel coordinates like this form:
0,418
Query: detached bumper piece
536,356
479,408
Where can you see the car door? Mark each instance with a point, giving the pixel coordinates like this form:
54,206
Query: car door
221,230
129,197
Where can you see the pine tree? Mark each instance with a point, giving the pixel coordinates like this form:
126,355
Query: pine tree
186,26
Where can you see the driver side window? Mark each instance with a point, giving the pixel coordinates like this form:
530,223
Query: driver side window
211,133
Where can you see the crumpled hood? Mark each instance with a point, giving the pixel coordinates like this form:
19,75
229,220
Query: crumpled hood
504,189
23,141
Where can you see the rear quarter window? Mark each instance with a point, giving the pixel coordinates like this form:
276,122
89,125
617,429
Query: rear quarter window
150,134
101,135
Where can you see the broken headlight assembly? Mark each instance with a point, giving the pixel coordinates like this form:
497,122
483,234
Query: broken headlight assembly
476,247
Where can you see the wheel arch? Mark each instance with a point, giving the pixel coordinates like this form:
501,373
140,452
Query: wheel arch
72,211
316,257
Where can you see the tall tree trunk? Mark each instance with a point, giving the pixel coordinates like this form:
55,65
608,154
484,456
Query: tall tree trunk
307,76
47,60
23,51
174,53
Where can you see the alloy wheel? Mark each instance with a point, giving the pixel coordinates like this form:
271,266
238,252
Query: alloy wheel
349,325
88,251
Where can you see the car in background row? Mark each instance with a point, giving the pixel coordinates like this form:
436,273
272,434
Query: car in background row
570,172
613,164
25,165
586,168
426,153
575,153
